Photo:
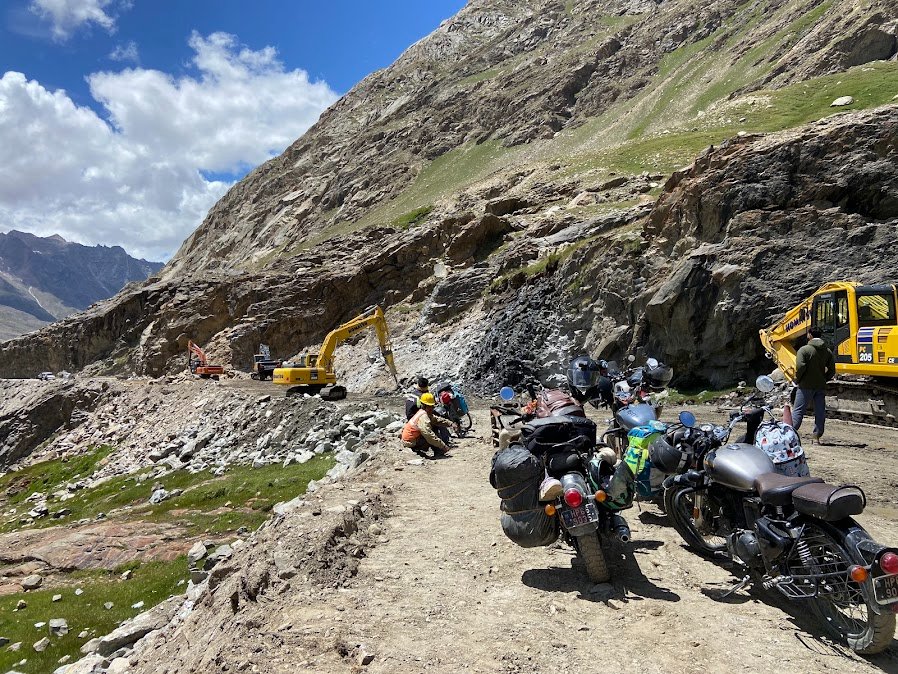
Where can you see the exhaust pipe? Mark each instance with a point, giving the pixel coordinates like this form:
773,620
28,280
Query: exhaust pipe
620,528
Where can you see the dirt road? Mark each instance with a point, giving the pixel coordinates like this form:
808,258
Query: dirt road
443,590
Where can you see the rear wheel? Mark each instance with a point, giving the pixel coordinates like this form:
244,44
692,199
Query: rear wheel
695,526
840,604
589,549
465,423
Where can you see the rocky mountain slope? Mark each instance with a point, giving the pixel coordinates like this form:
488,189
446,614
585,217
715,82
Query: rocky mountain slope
44,279
511,185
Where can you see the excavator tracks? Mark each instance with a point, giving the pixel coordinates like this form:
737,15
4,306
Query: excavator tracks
863,400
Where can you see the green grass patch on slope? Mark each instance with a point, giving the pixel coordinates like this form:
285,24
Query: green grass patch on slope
412,218
150,584
243,496
48,476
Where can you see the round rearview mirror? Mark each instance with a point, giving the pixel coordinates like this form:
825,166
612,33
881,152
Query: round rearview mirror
506,393
687,419
764,384
631,358
651,362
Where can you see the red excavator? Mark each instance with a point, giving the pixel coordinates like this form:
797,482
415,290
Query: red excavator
196,361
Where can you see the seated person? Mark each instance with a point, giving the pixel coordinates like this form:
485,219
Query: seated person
418,433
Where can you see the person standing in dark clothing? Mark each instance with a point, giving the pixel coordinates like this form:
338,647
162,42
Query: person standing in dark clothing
815,365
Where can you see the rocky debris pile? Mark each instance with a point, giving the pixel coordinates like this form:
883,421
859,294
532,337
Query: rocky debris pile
113,652
315,541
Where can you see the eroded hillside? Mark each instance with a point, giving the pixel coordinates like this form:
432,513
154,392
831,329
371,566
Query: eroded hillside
511,185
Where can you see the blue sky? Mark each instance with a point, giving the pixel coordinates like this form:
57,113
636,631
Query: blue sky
122,121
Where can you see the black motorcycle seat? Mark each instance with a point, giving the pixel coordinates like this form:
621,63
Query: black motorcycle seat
829,503
776,490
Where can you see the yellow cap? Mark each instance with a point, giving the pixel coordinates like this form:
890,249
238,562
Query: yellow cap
428,399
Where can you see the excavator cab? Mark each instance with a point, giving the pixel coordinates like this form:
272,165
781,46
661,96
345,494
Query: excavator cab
830,320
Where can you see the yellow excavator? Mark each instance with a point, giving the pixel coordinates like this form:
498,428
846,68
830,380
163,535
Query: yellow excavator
314,372
858,322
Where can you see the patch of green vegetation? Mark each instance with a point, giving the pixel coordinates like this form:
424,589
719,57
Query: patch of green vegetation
48,476
870,85
151,583
243,496
482,76
445,175
696,397
543,263
412,218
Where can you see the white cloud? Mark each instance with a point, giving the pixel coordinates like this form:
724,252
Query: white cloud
125,52
65,16
138,181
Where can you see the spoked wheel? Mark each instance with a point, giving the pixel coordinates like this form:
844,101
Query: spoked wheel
695,525
589,549
839,602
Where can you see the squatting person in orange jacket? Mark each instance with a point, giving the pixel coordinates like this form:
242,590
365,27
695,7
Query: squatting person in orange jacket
418,433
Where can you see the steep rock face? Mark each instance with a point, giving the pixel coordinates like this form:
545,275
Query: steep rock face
31,412
514,73
742,235
772,220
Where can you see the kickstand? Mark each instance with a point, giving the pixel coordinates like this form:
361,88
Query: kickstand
738,586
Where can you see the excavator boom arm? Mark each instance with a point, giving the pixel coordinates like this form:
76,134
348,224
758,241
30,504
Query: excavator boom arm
373,317
197,351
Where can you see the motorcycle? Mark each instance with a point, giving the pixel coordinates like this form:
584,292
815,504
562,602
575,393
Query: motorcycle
794,534
583,508
452,405
631,402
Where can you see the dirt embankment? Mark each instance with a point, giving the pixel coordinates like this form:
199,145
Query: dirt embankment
432,584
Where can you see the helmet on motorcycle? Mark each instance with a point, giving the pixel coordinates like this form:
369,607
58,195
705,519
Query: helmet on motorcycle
658,375
779,441
445,397
583,373
669,458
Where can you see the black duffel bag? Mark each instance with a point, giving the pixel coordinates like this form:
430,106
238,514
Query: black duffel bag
541,435
516,476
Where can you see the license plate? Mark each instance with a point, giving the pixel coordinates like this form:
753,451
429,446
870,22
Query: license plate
585,514
885,589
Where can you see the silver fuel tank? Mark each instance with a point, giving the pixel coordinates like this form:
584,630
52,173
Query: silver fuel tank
737,465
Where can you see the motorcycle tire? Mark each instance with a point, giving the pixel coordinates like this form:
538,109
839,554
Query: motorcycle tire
678,503
589,549
465,422
840,604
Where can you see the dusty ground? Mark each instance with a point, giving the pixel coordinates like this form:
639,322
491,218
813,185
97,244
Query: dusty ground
443,590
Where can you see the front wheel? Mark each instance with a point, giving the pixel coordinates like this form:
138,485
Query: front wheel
839,602
589,549
694,524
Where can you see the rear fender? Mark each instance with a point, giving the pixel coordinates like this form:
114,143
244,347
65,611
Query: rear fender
862,549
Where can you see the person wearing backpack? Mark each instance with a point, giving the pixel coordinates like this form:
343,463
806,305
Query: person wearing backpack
815,365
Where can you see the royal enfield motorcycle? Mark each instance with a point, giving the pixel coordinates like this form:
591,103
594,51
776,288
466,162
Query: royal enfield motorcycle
554,481
795,535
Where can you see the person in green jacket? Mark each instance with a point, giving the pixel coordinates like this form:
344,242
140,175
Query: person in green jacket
815,365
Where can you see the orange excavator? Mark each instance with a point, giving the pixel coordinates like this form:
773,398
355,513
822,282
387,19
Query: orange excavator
196,361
